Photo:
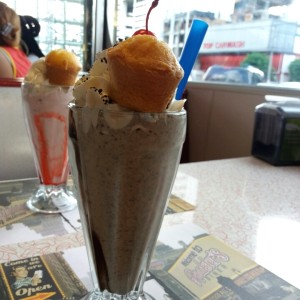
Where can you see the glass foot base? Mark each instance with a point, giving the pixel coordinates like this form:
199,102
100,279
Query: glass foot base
97,295
52,199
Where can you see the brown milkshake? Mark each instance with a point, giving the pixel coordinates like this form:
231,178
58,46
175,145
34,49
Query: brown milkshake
125,140
124,176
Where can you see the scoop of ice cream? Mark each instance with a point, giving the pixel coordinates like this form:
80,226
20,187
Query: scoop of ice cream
62,67
92,89
59,67
143,73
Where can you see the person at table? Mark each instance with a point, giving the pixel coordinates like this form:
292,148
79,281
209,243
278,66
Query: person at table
13,61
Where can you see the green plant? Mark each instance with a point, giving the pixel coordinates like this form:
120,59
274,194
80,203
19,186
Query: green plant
294,70
257,60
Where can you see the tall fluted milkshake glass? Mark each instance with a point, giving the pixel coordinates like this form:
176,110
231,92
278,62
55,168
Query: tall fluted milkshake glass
123,165
45,110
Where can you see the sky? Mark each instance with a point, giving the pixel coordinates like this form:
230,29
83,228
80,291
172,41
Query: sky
176,6
224,7
215,6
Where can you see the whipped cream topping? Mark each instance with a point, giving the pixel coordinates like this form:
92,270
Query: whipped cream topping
37,73
91,90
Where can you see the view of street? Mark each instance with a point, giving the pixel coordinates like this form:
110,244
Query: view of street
238,30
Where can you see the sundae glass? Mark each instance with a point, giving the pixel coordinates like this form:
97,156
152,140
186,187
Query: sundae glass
46,93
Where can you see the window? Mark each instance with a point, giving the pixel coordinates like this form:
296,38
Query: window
261,34
61,21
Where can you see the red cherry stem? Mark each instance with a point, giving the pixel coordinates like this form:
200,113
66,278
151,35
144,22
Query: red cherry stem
153,5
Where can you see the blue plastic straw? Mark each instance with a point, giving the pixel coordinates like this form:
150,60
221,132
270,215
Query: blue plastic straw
190,52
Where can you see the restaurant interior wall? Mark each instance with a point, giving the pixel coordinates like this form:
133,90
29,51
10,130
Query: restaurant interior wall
220,125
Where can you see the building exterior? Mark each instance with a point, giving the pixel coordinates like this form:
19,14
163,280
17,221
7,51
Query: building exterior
252,29
229,44
176,28
251,10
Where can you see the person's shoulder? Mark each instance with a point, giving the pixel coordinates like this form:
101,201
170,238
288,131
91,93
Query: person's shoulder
6,70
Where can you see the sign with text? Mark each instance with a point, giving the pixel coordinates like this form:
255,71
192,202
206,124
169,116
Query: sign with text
258,36
39,278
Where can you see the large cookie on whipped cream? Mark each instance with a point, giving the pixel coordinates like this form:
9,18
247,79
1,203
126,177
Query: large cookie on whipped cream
144,73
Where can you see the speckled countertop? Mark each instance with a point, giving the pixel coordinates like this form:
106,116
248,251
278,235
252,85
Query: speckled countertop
249,204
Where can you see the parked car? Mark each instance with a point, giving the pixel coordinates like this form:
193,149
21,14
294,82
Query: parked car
240,75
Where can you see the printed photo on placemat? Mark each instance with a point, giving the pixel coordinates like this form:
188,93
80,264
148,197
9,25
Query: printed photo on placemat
16,211
40,277
177,204
196,265
13,197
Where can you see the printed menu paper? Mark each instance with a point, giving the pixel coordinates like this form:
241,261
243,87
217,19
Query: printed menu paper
190,264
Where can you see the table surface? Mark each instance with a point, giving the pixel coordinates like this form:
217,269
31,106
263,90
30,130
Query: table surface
249,204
